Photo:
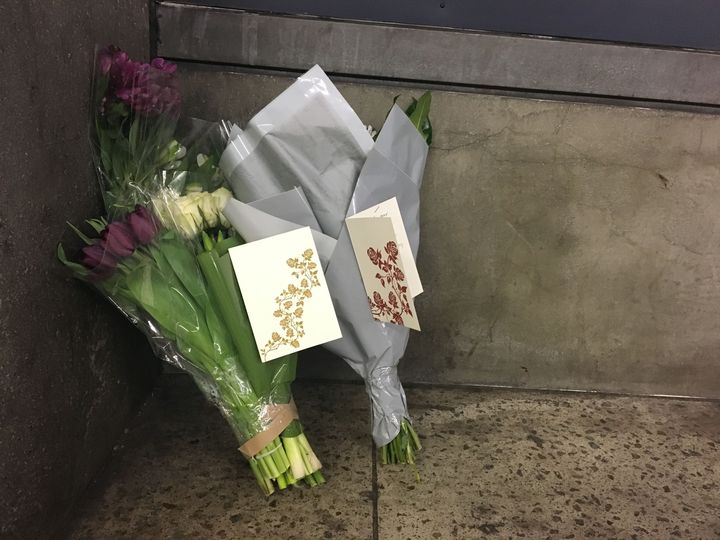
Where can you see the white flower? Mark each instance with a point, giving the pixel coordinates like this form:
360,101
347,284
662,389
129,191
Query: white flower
221,197
193,212
206,207
186,214
186,224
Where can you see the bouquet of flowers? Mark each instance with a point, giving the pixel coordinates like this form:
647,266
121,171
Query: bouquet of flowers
161,256
136,108
306,159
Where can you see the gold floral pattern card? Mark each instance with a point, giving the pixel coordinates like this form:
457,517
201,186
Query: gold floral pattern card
386,264
285,293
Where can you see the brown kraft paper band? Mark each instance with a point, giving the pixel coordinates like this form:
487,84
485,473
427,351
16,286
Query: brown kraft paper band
280,418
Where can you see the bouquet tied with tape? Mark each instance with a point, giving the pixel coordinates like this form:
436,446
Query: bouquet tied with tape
161,256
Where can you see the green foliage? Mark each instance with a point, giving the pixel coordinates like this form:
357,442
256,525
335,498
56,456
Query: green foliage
174,309
78,269
97,224
81,235
133,151
419,113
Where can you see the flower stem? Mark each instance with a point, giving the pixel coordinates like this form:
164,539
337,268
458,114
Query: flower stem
286,460
319,478
403,448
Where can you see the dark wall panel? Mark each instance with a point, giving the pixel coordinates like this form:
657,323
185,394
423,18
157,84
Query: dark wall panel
672,23
72,370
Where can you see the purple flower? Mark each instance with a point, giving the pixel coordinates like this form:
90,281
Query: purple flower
104,60
119,240
163,65
151,98
143,225
96,259
149,89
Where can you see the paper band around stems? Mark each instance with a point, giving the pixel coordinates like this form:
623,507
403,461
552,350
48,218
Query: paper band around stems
280,418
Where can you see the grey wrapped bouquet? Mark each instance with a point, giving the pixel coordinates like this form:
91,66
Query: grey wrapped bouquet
306,160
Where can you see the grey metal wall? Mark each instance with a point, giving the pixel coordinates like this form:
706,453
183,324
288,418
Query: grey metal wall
466,60
71,369
676,23
567,243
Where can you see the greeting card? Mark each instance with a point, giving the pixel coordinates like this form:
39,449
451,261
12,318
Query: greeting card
285,293
386,263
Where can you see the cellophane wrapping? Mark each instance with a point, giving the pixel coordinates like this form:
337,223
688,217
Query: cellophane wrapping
160,255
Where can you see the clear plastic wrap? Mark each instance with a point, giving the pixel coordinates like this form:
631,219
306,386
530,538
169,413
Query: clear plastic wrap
215,386
135,108
161,257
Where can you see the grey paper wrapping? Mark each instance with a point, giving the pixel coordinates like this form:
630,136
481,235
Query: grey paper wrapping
255,224
291,206
394,168
371,348
307,136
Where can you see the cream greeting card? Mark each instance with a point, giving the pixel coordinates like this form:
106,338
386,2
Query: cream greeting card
384,269
390,209
285,293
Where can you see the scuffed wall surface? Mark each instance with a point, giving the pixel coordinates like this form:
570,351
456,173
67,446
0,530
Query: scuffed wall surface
72,369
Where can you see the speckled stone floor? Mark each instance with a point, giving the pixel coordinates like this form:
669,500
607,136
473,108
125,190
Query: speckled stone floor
496,464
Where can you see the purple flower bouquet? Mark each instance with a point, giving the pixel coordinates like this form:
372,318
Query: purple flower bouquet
161,257
136,109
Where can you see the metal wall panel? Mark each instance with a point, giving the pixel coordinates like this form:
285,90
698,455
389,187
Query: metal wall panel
468,59
671,23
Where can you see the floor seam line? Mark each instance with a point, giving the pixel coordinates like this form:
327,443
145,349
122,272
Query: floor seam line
375,493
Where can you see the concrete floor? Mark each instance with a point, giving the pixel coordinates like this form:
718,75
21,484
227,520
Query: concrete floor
496,464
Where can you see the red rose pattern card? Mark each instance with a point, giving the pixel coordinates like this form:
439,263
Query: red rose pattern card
384,265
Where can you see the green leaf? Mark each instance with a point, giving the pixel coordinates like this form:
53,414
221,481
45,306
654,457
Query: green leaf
161,262
79,269
134,135
411,107
97,224
222,246
225,295
116,114
84,238
119,159
207,241
184,264
418,113
420,116
181,318
428,132
105,146
225,353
